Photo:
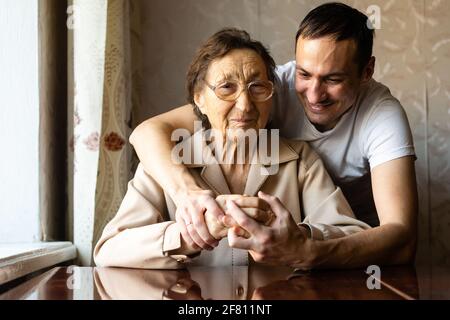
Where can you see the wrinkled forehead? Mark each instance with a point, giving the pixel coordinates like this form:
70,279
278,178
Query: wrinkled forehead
325,55
239,64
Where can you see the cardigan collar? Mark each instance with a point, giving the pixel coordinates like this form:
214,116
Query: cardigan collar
212,173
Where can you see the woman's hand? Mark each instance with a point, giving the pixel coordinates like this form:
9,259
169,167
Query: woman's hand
184,289
218,229
190,216
254,207
203,223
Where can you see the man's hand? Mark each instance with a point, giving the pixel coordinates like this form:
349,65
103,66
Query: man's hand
253,207
190,216
282,243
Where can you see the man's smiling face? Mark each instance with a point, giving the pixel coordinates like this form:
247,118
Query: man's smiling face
327,79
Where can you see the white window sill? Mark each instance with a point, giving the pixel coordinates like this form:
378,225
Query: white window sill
17,260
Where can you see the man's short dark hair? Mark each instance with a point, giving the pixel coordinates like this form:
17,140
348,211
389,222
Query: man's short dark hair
340,22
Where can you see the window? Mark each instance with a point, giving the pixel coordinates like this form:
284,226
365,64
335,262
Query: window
20,249
19,122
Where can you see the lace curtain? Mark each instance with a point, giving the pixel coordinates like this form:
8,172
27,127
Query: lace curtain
99,117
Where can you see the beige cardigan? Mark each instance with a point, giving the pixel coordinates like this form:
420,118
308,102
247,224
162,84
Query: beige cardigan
144,229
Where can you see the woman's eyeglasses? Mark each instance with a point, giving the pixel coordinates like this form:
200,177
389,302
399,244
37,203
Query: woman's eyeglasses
259,91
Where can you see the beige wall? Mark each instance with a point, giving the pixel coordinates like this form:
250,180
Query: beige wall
413,57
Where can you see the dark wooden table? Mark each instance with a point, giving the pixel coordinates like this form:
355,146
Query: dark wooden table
234,283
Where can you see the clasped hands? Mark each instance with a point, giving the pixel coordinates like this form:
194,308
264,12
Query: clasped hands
261,225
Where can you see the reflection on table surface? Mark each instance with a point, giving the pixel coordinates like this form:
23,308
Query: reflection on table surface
235,283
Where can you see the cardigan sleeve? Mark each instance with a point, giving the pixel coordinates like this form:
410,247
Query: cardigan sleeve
326,212
141,235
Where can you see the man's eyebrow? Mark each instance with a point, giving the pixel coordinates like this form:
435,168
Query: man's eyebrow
300,68
332,74
336,74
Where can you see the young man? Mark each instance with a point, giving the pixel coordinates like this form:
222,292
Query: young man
328,98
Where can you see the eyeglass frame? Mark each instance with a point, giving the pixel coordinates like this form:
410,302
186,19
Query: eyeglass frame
247,87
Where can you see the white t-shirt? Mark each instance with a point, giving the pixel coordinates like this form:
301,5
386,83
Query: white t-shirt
375,130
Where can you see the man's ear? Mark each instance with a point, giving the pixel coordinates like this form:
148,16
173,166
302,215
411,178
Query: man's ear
199,100
368,70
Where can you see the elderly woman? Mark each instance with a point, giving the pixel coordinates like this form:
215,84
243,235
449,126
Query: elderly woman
230,84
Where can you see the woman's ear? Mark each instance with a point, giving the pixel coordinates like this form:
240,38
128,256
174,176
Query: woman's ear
199,100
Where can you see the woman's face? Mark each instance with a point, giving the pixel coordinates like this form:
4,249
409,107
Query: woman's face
242,66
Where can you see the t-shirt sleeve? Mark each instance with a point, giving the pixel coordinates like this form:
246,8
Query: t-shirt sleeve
387,134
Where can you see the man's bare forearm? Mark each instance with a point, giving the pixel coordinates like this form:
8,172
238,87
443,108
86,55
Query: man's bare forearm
389,244
394,242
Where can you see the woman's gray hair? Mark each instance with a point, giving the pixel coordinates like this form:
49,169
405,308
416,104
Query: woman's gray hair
217,46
